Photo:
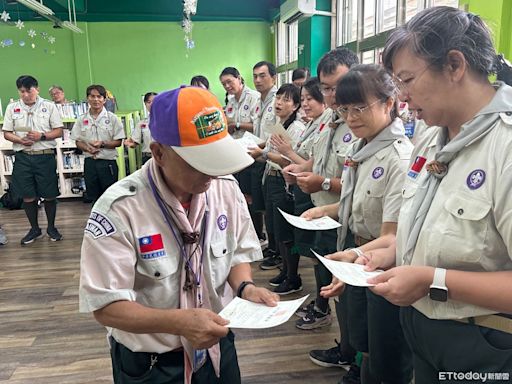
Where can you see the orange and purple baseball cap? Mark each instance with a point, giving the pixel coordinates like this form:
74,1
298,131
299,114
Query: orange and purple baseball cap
191,121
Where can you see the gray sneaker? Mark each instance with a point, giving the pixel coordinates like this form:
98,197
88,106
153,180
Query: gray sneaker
3,237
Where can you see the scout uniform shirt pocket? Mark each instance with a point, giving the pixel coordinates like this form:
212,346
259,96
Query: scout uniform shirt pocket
463,227
153,260
373,192
222,248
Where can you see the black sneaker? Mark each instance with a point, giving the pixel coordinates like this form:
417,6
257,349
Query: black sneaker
303,311
289,286
315,319
271,263
31,236
353,375
268,253
276,281
53,234
331,357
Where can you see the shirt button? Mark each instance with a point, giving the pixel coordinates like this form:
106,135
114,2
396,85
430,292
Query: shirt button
508,113
460,211
157,274
132,188
368,192
399,141
224,250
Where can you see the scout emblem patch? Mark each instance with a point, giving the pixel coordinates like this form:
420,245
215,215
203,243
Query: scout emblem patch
222,222
151,247
347,137
377,172
475,179
416,167
99,225
208,123
44,110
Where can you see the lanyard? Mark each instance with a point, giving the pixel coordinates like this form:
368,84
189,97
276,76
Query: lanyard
179,240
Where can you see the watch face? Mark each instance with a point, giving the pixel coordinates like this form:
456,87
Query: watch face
438,294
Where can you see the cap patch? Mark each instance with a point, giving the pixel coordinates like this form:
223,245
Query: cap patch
208,122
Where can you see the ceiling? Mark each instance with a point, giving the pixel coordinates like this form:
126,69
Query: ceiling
151,10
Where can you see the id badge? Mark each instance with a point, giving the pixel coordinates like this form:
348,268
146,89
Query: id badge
200,356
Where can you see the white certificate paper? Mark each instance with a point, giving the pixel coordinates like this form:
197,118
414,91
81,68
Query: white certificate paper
246,314
320,224
350,273
248,140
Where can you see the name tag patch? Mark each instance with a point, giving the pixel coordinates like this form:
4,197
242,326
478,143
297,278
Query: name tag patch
99,226
151,247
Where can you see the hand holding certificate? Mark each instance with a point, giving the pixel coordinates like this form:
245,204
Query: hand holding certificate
246,314
320,224
350,273
248,140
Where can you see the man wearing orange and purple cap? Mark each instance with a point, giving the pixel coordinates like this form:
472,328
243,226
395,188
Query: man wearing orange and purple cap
165,248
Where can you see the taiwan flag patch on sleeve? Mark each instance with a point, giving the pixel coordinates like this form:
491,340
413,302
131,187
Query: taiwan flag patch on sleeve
151,247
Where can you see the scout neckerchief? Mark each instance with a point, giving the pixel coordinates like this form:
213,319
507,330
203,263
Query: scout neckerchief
31,110
189,232
321,168
95,121
470,133
357,153
314,127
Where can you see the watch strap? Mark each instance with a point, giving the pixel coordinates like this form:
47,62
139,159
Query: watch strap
439,278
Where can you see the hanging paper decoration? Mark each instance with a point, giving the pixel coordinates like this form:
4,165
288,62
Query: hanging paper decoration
22,43
32,33
189,9
20,24
6,43
51,39
5,16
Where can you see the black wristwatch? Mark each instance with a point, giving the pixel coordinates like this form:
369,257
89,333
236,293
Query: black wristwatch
242,286
102,145
43,137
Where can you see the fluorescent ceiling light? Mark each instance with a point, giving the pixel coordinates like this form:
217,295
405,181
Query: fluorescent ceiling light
36,6
71,26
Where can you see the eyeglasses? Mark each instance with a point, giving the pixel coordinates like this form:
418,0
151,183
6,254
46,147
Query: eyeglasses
356,112
403,86
327,91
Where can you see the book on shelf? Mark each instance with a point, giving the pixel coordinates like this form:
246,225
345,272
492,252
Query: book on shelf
9,163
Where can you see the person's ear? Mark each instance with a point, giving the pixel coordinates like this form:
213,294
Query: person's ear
455,65
158,153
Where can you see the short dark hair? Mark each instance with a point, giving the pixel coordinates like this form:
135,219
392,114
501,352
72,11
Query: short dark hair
148,95
271,67
230,71
312,86
200,79
334,58
27,82
300,73
364,81
100,88
433,32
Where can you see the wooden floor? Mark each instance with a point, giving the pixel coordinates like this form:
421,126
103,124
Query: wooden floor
43,338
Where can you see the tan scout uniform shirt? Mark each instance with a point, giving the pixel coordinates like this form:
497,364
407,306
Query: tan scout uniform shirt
312,133
142,135
378,191
42,117
113,269
265,115
336,146
106,127
243,110
468,226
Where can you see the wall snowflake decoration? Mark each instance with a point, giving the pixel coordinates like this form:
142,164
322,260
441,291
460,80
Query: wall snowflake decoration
189,9
51,39
5,16
20,24
32,33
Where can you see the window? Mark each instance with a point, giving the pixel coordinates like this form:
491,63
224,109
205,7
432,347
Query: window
287,51
369,18
368,57
388,15
412,7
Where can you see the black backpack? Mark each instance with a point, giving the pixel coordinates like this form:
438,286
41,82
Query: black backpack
10,200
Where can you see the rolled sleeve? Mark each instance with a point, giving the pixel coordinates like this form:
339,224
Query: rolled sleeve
55,119
392,200
118,128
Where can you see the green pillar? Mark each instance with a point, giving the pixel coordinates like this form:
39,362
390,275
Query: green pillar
314,37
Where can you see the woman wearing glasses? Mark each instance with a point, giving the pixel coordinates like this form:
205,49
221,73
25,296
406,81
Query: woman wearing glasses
454,241
371,196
